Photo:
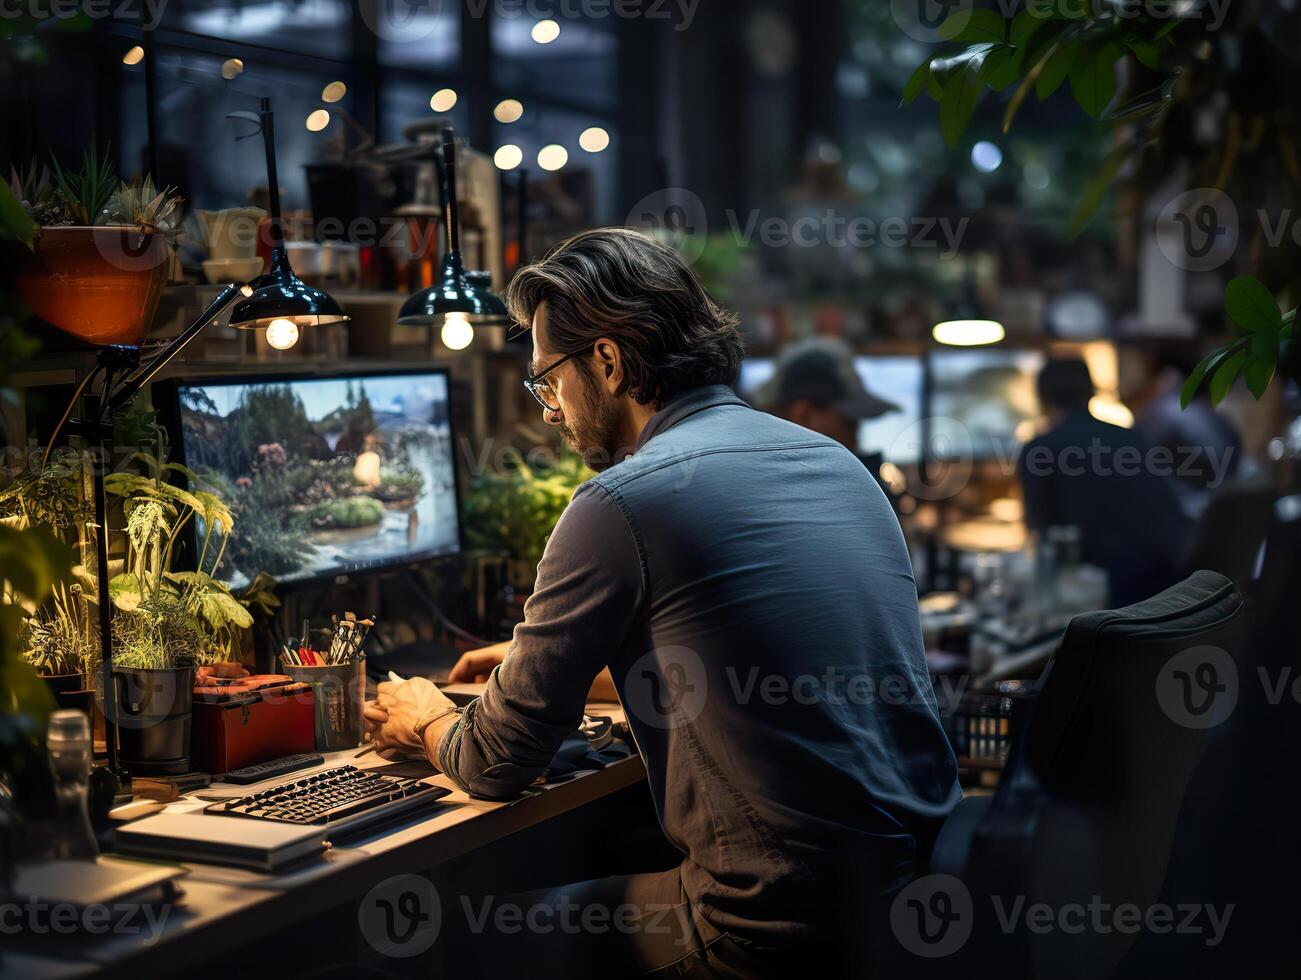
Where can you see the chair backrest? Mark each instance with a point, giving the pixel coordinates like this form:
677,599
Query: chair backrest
1088,805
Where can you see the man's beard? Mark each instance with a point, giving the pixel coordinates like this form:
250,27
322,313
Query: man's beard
595,432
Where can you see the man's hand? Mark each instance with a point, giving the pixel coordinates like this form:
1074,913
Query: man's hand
392,717
475,665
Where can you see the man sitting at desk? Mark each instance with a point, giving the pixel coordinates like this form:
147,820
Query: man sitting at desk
747,585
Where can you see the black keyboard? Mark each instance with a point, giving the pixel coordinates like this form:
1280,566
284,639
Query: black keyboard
345,797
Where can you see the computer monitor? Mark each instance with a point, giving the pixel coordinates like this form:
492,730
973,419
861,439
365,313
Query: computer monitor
325,476
983,402
896,378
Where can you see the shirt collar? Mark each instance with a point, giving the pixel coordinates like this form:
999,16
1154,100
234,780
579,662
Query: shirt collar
685,404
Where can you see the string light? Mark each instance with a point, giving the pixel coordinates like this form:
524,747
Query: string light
508,157
552,157
594,140
231,67
508,110
134,56
546,31
443,100
334,92
317,120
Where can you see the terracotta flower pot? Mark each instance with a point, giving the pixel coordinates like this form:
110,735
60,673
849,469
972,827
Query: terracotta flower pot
100,284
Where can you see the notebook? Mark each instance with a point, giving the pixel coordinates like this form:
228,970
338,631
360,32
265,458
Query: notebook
262,845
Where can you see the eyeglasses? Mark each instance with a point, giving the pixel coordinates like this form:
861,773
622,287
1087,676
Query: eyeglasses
541,390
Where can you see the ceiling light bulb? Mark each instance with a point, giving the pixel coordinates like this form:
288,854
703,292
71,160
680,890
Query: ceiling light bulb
508,110
546,31
508,157
443,100
334,92
318,119
457,332
968,333
134,56
552,157
282,333
594,140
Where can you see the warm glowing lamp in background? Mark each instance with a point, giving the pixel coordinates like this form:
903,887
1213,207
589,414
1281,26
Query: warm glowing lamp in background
508,157
443,100
460,299
594,140
968,333
334,92
231,68
317,120
553,157
508,111
282,333
545,31
134,56
457,333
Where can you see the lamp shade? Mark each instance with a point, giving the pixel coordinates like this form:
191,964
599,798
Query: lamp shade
281,295
457,291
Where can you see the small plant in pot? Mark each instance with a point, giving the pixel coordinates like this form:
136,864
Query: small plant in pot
167,623
97,249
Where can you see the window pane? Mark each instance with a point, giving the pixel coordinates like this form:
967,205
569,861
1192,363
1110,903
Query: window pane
578,66
316,27
419,34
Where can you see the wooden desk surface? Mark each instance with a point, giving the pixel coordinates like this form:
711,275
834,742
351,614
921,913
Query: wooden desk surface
227,906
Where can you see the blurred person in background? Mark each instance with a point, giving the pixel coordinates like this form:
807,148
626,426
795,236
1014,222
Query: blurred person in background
1102,479
816,386
1204,441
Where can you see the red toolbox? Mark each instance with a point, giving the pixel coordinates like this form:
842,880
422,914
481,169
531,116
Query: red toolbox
252,720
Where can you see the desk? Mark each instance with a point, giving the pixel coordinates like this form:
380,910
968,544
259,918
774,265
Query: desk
224,907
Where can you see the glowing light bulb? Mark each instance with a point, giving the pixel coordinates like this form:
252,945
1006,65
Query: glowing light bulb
508,157
318,120
334,92
282,333
968,333
457,332
231,67
594,140
443,100
508,111
545,31
134,56
552,157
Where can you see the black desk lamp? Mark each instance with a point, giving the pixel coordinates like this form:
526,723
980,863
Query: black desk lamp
460,300
278,302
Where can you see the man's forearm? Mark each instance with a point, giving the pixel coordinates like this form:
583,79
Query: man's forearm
432,737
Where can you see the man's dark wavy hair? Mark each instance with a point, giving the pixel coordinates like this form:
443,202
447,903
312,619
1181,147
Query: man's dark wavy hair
621,284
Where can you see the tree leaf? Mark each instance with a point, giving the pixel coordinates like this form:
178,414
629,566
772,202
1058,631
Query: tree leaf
960,96
1024,25
14,217
1251,305
917,82
32,561
1093,81
1225,374
1259,370
1147,53
125,592
974,26
1004,68
1056,67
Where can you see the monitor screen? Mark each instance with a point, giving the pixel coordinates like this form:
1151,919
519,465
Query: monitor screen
325,476
896,378
983,402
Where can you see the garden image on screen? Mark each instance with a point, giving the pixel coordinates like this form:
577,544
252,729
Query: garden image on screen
325,476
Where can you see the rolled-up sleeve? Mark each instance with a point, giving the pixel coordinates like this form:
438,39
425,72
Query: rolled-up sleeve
589,592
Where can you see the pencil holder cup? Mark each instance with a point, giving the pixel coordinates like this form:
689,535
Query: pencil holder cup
339,694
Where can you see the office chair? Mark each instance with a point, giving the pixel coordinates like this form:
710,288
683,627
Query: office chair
1231,530
1093,797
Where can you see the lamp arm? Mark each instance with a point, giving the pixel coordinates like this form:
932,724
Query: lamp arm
132,383
453,215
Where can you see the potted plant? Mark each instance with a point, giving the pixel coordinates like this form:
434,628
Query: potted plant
98,249
167,622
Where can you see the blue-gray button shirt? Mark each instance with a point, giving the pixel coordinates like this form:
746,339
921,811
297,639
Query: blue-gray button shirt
748,585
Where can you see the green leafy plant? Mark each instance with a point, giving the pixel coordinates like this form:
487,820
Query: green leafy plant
350,512
1182,75
514,512
86,192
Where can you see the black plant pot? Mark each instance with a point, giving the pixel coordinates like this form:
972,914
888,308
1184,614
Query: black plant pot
70,692
152,709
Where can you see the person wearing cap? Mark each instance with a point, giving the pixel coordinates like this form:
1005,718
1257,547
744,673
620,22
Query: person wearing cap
815,385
